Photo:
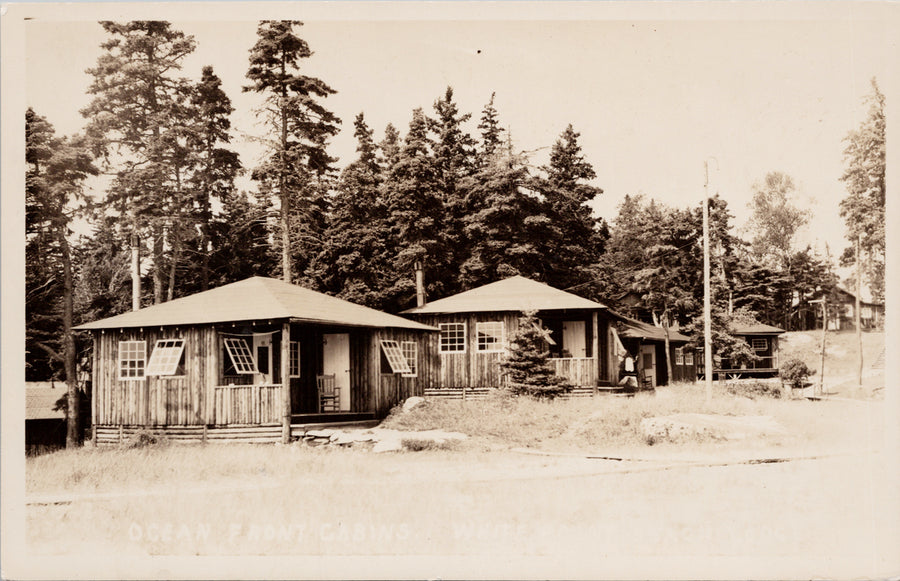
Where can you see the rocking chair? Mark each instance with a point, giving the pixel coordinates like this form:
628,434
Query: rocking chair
329,394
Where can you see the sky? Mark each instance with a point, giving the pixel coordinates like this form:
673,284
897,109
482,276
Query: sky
654,94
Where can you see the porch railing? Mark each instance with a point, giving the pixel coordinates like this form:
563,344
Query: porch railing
248,404
579,371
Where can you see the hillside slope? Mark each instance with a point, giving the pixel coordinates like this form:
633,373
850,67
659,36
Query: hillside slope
841,361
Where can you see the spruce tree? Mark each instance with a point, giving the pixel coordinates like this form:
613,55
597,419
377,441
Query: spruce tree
526,365
294,173
491,132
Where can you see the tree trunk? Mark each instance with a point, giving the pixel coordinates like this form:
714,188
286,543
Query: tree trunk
158,281
135,267
176,256
285,197
665,321
73,409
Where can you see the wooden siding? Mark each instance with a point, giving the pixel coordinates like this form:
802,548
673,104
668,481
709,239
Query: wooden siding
394,388
156,401
476,369
248,404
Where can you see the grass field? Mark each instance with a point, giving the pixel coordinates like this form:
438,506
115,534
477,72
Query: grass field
687,510
841,361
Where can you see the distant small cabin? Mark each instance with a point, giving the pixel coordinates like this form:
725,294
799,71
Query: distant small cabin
842,316
763,340
45,422
476,326
647,344
257,359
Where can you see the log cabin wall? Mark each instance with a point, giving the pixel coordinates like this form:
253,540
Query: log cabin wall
394,388
156,401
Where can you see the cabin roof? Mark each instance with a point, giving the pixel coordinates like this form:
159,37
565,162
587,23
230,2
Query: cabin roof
512,294
252,299
756,329
634,329
41,398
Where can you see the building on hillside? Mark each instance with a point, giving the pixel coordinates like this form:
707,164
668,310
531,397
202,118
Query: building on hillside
475,327
763,340
45,421
257,359
842,312
646,343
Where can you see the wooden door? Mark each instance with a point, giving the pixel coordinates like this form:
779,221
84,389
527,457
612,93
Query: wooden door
573,339
336,361
262,350
648,362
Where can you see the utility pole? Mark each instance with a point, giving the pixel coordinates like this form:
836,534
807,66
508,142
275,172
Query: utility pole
857,314
824,301
707,303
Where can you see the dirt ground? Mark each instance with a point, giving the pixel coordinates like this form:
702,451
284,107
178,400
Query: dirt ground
806,511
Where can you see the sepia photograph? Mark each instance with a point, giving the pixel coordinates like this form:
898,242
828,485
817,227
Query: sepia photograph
476,290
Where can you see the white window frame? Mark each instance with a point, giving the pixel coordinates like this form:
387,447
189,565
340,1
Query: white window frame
689,358
410,350
453,330
241,356
294,359
132,349
165,358
494,346
679,356
395,358
765,343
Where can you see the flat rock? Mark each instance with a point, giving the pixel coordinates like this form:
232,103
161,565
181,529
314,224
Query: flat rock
412,402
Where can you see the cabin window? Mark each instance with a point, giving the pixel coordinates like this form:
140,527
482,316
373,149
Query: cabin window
489,335
679,356
453,337
241,356
759,344
132,359
689,358
410,351
167,358
395,359
294,360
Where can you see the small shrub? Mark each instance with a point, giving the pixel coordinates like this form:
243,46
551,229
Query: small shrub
423,444
144,438
754,388
794,373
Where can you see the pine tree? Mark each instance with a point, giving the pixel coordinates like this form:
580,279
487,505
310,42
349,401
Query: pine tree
217,166
491,132
140,114
298,161
356,260
416,213
863,209
504,221
54,182
577,239
526,365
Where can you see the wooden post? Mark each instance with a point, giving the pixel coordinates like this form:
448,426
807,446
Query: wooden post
286,382
707,316
595,346
94,374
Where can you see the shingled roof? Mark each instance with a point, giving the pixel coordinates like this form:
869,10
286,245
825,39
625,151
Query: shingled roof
254,299
512,294
756,329
639,330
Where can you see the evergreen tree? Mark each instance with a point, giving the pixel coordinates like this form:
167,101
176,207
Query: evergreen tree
491,133
453,152
416,214
577,239
526,365
298,162
863,208
140,113
217,166
504,221
54,182
239,238
356,260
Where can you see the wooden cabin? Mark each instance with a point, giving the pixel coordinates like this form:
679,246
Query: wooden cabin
646,343
45,421
763,339
475,327
842,315
257,359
